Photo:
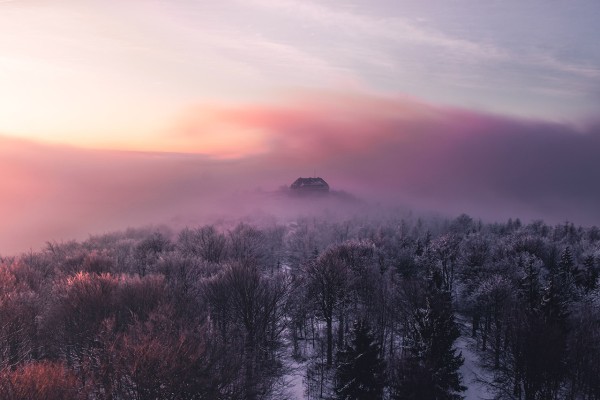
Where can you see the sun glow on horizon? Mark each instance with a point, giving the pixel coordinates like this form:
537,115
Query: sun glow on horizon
118,75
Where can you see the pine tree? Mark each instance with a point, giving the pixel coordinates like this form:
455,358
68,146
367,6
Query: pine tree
560,290
591,274
360,372
529,285
550,363
429,370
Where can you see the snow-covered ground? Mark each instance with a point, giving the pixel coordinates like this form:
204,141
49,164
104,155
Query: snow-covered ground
294,380
473,375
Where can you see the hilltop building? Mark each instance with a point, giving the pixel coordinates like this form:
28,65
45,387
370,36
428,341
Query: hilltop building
310,185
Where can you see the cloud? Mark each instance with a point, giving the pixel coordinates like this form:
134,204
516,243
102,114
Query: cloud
57,192
391,151
401,149
393,29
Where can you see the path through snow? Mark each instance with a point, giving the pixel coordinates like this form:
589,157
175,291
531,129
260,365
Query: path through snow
472,372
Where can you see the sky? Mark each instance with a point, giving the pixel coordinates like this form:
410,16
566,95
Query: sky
118,113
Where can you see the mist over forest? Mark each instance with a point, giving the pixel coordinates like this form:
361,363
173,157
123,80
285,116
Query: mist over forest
442,160
441,264
299,200
384,304
230,284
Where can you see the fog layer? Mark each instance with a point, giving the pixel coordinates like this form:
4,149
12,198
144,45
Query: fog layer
386,151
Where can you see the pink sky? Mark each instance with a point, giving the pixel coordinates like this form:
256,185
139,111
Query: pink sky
388,151
131,112
119,74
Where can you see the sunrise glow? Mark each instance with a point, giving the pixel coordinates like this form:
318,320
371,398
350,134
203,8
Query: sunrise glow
108,108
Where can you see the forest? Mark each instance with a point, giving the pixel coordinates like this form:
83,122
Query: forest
362,307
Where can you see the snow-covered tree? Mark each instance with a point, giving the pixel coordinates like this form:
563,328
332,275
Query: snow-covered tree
429,368
361,370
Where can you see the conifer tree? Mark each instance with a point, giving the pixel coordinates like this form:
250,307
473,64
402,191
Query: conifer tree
429,369
591,274
559,294
560,291
360,372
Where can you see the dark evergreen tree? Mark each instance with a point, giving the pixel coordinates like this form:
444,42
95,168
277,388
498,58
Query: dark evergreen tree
361,370
590,274
560,291
550,361
529,284
429,369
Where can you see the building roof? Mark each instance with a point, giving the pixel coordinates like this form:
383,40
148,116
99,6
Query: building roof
310,184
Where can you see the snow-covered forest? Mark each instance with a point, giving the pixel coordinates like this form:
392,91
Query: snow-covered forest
368,307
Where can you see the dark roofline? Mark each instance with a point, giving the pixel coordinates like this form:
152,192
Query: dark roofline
310,184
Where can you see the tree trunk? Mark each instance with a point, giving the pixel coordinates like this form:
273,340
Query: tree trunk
329,342
486,330
341,330
249,384
475,324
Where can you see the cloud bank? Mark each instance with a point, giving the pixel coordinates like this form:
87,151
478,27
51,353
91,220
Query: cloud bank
385,150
